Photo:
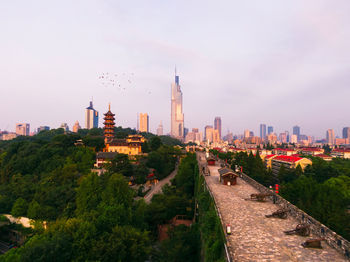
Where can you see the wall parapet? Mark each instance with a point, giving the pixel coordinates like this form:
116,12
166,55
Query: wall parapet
317,228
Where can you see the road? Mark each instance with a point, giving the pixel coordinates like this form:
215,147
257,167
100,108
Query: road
156,189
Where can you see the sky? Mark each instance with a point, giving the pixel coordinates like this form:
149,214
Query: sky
282,63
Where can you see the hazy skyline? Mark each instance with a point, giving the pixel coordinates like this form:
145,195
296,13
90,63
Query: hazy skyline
281,63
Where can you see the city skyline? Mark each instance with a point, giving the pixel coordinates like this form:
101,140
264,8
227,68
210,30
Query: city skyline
60,61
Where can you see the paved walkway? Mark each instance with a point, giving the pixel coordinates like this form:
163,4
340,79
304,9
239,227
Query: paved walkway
255,237
156,189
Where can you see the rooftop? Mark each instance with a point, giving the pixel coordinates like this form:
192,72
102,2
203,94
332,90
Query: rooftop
292,159
285,149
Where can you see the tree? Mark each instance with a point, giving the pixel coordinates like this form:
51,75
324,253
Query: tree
34,210
97,142
121,164
88,194
183,245
123,244
155,143
19,208
47,248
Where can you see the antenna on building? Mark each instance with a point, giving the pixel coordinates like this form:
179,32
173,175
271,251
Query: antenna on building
175,70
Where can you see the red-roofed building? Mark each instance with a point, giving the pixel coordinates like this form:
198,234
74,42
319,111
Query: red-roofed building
284,151
296,155
311,151
341,152
268,159
288,162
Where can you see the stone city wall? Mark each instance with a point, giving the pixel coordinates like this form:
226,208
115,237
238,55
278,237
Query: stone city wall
333,239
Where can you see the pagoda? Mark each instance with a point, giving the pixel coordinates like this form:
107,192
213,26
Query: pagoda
109,125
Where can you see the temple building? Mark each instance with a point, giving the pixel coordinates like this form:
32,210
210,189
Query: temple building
109,123
131,145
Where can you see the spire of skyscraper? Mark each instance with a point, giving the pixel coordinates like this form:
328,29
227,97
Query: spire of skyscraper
176,77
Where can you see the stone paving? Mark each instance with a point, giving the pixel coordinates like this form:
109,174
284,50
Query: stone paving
255,237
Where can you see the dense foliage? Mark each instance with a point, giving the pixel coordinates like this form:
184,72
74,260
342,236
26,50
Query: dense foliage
90,217
38,175
210,225
98,218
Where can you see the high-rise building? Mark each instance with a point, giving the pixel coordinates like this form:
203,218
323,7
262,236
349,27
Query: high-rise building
177,116
195,136
346,132
65,127
160,129
42,128
91,117
330,137
296,131
208,132
144,122
269,130
76,127
217,124
185,131
246,133
294,139
287,136
262,131
22,129
216,136
283,137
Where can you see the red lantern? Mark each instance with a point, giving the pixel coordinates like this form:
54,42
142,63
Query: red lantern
276,188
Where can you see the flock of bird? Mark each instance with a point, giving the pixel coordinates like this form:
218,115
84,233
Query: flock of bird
121,81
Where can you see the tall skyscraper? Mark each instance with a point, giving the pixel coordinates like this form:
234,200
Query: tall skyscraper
217,125
269,130
144,122
160,129
177,116
22,129
330,137
91,117
262,131
296,131
346,132
246,133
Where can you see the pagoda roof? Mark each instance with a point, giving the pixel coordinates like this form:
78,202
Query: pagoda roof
109,113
